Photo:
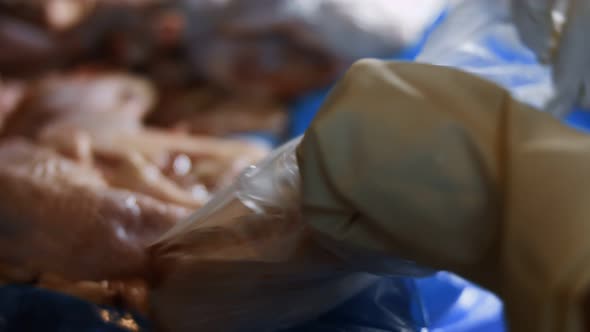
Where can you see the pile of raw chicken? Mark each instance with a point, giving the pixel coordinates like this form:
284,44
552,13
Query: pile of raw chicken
115,118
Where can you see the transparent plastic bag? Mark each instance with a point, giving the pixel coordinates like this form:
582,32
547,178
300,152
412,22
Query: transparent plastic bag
247,262
478,36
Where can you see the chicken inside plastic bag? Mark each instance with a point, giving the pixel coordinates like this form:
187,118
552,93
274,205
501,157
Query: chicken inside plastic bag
247,262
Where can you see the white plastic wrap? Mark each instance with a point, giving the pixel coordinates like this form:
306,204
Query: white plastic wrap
479,36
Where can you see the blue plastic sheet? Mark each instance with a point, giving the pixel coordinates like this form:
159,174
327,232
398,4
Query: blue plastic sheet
389,305
579,119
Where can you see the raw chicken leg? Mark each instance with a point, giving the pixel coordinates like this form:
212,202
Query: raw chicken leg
61,217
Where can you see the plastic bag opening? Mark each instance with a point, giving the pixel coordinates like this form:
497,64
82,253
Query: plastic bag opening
248,262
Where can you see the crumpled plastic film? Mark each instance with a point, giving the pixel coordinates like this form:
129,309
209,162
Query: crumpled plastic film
478,36
247,262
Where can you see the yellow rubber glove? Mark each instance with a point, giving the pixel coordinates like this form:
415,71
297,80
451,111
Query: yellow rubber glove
434,165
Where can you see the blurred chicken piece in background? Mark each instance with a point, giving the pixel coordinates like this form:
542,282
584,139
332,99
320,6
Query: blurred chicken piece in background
11,93
27,49
206,110
93,186
97,118
285,48
71,221
65,14
108,108
276,48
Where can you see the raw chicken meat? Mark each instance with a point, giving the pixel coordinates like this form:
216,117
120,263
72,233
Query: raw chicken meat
72,222
45,35
276,48
64,14
85,100
26,48
97,119
11,94
87,186
208,111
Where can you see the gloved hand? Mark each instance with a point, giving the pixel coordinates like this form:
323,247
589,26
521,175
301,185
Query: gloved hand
404,164
556,30
433,165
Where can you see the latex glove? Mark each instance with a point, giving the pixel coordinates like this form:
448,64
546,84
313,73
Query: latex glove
556,30
434,165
